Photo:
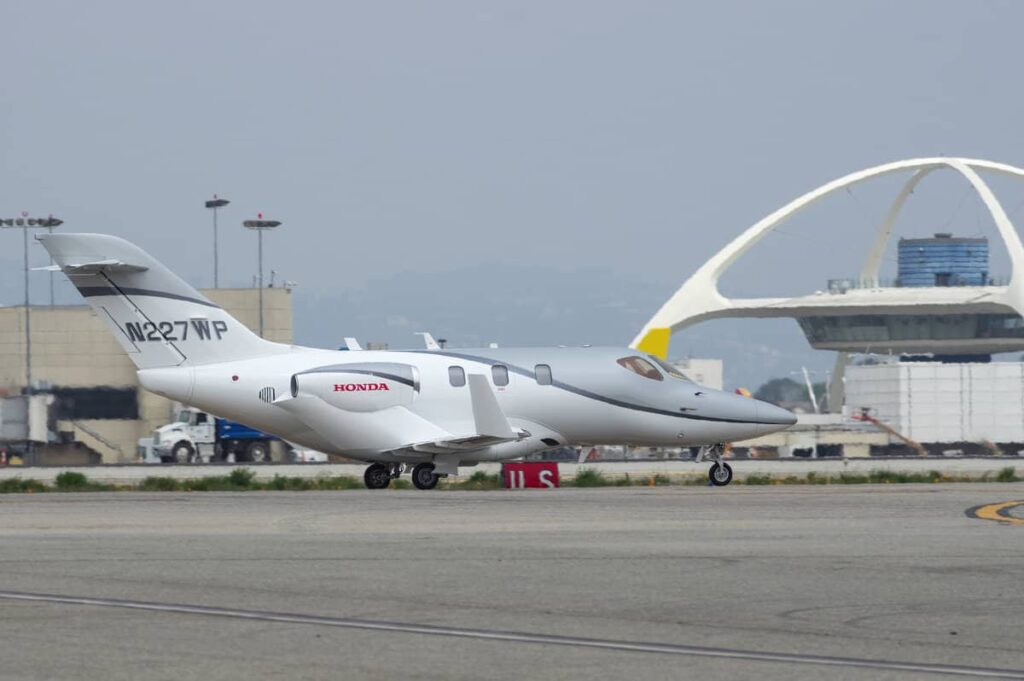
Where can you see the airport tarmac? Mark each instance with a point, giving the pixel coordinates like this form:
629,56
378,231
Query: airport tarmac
786,582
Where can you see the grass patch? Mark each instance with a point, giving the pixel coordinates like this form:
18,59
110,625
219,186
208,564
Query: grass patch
890,477
1007,474
73,481
591,477
70,480
158,484
479,481
17,485
338,482
241,478
292,484
244,479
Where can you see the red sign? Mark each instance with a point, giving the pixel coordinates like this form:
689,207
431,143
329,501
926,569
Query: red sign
532,474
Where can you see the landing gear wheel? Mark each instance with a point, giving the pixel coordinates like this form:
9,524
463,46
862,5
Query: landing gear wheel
424,477
720,474
183,453
377,476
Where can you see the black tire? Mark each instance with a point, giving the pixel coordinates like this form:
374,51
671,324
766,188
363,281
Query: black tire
424,477
720,474
258,451
377,476
182,452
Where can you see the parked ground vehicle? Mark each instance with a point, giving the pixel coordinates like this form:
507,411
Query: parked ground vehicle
199,437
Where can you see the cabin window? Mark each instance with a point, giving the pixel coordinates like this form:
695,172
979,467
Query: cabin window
543,372
639,365
499,372
457,376
669,369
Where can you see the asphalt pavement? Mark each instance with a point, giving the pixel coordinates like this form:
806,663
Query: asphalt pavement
779,582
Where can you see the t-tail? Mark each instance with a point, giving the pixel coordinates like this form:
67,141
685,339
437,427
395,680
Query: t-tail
159,320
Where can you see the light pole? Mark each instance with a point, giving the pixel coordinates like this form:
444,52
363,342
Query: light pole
23,223
260,226
213,204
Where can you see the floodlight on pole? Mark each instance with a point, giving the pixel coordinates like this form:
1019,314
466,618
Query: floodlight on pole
260,226
214,204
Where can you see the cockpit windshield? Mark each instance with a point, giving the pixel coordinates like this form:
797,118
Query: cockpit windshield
670,370
639,365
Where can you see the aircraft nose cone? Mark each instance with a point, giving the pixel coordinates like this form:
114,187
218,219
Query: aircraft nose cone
769,414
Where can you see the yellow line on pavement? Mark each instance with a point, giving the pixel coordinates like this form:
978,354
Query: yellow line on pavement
998,512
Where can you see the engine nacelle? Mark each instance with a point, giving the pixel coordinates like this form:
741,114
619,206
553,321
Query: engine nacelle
370,386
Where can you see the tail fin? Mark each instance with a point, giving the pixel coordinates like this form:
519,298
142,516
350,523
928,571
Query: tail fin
159,320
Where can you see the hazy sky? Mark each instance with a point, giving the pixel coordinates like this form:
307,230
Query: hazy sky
630,137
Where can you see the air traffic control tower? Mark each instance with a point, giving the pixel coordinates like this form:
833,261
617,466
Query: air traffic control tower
940,262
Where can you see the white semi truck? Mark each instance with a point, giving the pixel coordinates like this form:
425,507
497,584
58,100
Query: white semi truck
200,437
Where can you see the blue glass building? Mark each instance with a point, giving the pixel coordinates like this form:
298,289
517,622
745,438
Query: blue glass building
943,260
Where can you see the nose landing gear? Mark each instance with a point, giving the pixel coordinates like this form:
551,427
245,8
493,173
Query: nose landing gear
720,473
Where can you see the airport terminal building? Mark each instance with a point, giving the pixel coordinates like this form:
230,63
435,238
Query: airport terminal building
914,354
84,386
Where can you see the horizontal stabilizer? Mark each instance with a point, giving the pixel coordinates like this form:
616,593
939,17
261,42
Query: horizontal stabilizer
94,267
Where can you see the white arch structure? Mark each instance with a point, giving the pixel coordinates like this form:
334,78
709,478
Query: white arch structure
699,299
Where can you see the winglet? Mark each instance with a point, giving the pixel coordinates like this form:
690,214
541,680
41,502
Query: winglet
487,414
352,343
655,342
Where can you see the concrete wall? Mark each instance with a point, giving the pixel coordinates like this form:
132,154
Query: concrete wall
72,347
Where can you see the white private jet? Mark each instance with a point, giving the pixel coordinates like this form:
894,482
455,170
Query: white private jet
430,410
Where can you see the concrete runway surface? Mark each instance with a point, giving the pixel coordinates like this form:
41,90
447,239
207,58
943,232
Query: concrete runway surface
785,582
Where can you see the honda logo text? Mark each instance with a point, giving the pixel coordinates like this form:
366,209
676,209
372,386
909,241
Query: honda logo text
359,387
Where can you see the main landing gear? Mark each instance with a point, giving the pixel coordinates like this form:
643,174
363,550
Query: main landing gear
380,475
720,473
